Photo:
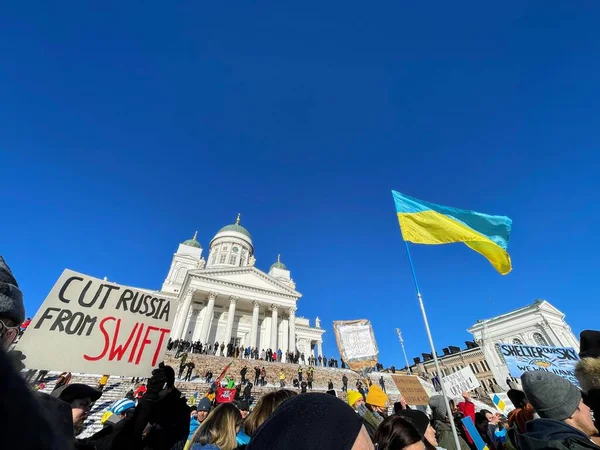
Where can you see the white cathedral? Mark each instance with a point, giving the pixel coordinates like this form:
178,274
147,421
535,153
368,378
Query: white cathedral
227,299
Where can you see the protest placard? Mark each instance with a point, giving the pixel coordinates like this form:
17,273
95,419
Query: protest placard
93,326
502,402
411,389
523,358
356,343
463,380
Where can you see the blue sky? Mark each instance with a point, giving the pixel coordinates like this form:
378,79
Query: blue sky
125,127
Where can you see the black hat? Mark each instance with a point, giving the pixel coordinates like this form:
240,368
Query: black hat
322,420
242,405
417,418
70,392
518,398
589,344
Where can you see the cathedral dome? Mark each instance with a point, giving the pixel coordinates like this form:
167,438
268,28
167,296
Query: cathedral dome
237,228
279,264
192,242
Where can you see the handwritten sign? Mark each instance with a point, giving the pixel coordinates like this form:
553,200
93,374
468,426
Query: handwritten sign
558,360
93,326
463,380
411,389
356,343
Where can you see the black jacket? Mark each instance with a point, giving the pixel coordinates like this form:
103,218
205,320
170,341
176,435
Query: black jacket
552,434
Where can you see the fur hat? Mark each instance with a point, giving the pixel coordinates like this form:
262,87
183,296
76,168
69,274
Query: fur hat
587,372
11,297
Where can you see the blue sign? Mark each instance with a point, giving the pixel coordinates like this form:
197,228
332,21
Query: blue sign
524,358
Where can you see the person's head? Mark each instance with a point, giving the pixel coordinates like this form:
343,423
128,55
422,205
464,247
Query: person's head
80,397
355,399
264,408
481,422
12,311
312,421
220,428
517,398
491,417
244,408
555,398
397,433
420,421
123,408
377,399
438,408
193,411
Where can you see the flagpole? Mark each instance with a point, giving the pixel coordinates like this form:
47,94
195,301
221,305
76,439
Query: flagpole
435,359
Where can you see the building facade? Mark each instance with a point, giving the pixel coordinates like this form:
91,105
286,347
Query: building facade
537,324
454,359
226,299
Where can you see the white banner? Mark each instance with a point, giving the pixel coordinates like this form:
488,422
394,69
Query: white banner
93,326
461,381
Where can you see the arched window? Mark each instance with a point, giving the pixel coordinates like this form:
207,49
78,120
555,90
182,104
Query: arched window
539,339
517,341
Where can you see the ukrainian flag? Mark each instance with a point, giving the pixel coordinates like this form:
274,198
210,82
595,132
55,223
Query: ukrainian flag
427,223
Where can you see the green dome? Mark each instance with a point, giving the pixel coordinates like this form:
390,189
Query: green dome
192,242
279,264
237,228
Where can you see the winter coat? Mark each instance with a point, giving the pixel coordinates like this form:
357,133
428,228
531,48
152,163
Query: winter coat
194,425
445,437
552,434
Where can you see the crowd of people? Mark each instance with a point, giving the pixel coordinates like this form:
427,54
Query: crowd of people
180,347
550,411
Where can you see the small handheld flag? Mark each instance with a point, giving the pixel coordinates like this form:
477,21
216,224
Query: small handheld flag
422,222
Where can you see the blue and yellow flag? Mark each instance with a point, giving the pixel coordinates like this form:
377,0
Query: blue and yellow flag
427,223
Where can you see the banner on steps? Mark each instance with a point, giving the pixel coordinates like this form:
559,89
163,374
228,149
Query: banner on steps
88,325
411,389
356,343
523,358
462,380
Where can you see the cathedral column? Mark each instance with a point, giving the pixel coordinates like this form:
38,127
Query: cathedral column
319,348
212,296
292,342
183,314
274,328
230,316
254,331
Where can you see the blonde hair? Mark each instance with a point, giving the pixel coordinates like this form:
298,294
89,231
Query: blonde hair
264,408
219,428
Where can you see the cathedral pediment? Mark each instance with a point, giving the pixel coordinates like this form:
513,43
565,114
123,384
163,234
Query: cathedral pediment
241,277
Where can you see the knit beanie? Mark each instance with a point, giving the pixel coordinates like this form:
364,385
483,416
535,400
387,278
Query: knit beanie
376,397
353,397
308,421
11,297
551,396
438,407
204,404
589,344
417,418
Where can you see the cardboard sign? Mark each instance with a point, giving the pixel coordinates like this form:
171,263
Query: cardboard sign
356,343
558,360
461,381
502,402
94,326
411,389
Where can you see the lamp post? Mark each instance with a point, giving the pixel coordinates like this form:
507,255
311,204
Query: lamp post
403,350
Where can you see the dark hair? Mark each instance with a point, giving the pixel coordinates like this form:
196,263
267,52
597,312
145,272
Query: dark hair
193,408
480,417
485,411
395,433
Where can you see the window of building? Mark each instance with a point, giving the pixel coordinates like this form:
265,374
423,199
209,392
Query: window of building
233,259
539,339
482,363
225,248
244,257
487,365
213,258
517,341
222,258
474,367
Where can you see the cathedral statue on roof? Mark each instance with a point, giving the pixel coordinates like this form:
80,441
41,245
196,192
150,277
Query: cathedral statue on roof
227,299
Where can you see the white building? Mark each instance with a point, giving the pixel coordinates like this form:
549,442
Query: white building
537,324
229,300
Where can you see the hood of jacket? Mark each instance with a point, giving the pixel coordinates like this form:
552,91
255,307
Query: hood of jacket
587,372
541,432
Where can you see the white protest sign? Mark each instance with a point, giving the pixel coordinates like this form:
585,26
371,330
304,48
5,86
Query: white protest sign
94,326
463,380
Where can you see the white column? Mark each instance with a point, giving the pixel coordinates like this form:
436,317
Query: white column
183,314
230,316
273,343
292,343
212,296
285,335
254,330
319,348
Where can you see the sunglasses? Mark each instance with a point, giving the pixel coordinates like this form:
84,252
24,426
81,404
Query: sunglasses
8,334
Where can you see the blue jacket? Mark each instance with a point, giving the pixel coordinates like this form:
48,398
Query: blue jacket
194,425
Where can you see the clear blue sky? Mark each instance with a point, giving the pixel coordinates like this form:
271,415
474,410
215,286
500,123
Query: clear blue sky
126,126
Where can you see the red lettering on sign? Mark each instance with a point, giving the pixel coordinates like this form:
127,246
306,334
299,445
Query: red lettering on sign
106,341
